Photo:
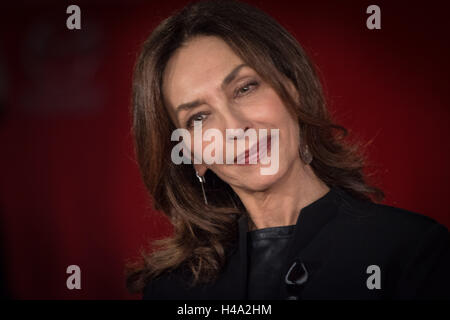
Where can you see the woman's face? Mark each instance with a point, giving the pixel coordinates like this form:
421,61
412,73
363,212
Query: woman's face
229,95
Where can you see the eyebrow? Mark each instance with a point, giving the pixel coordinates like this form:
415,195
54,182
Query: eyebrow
229,78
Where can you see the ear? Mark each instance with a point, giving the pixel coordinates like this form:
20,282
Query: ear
200,168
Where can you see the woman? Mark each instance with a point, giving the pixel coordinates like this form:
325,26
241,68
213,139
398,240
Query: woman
308,230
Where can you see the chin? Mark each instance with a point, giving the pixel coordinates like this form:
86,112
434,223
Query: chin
253,180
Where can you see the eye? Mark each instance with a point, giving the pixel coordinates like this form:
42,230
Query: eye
245,89
195,117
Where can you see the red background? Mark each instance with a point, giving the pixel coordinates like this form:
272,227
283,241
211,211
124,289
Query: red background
70,191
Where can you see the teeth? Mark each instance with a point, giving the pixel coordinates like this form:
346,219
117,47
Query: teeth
242,158
253,156
256,152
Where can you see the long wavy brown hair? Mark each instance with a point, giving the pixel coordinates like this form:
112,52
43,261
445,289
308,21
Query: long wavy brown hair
203,234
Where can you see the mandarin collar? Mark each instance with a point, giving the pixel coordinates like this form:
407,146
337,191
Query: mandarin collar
310,221
314,215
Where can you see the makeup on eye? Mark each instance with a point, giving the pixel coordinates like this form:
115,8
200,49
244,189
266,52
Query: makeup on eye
250,86
251,83
195,117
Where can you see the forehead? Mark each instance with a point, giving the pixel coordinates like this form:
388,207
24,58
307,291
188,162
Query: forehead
200,64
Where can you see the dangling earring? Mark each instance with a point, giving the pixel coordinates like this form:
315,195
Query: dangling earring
202,181
306,155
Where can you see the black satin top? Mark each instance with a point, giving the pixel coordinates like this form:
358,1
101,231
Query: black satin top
267,251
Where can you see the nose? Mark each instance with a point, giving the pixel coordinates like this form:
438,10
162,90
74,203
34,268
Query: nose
237,124
236,134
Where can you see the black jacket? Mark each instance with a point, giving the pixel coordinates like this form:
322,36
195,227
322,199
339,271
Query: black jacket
336,239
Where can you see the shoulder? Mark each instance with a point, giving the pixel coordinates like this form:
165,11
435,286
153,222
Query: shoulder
385,230
384,219
161,288
170,285
178,284
419,248
411,248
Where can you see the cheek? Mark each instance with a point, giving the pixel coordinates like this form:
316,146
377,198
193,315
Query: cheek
278,116
208,146
268,108
291,138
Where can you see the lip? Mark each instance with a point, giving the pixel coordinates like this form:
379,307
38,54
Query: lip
253,152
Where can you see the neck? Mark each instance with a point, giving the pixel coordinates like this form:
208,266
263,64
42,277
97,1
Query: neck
280,205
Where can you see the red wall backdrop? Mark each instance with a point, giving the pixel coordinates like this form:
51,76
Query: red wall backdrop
70,191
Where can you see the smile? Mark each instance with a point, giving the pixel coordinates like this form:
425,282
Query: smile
255,153
263,151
